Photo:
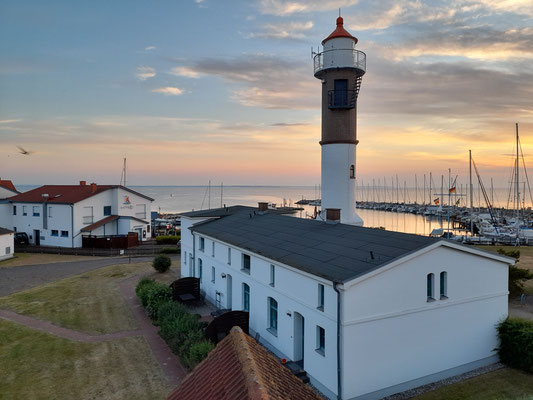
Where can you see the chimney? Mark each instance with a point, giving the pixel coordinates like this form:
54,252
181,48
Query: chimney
333,215
83,183
93,187
263,206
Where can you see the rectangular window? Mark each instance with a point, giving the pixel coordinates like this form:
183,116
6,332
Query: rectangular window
213,249
185,258
200,271
430,287
64,233
229,256
8,250
24,210
272,275
213,274
341,92
245,297
14,210
107,210
443,285
36,211
246,263
320,340
88,216
201,244
140,211
272,316
320,297
49,212
55,232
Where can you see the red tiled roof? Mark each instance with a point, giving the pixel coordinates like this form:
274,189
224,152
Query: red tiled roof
8,185
340,32
66,194
240,369
97,224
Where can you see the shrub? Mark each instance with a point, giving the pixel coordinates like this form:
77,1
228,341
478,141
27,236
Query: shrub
167,239
161,263
516,343
517,276
170,250
510,253
197,352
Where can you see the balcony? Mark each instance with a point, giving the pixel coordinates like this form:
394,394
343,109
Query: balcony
341,99
340,58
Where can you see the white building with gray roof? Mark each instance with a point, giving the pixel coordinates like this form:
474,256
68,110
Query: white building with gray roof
365,312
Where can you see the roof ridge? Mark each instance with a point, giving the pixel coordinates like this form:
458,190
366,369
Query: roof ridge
252,373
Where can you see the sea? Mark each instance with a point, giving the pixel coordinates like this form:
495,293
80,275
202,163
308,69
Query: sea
176,199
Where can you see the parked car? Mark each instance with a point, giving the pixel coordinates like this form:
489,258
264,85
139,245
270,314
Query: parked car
21,238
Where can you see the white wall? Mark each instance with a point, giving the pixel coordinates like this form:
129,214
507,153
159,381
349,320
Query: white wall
293,290
5,193
6,246
392,334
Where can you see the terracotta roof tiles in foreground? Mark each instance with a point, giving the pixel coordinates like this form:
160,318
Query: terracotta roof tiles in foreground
240,368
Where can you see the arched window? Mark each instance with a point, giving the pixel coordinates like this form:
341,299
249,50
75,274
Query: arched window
245,297
352,171
443,285
272,316
431,287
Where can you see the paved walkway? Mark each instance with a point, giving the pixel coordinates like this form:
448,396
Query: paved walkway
16,279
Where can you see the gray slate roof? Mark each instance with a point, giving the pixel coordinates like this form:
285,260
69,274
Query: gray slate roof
4,231
217,212
336,252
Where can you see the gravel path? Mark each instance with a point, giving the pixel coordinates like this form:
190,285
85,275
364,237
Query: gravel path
16,279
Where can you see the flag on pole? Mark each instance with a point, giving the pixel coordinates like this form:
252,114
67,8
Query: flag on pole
457,202
452,190
436,201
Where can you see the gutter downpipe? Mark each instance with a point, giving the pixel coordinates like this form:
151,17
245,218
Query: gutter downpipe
193,252
339,374
72,223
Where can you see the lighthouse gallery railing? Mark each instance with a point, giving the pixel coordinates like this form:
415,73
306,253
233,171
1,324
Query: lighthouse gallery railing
347,58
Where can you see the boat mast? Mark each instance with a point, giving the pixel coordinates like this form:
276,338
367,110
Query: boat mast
430,179
221,193
209,198
416,190
517,178
471,195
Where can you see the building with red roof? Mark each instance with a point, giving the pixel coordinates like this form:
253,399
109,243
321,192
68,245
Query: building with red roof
60,215
239,368
7,189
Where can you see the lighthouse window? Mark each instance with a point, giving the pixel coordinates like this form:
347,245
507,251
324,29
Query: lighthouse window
352,171
341,92
430,287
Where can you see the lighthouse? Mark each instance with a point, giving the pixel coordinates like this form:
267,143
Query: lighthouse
340,67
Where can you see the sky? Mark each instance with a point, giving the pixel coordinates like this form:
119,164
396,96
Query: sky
197,90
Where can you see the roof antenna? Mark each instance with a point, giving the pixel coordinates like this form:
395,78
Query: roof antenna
339,11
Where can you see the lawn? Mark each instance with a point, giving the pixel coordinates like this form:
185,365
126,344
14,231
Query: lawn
23,259
36,365
503,384
90,302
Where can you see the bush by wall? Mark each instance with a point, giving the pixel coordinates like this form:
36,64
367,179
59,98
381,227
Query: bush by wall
516,343
182,331
161,263
167,239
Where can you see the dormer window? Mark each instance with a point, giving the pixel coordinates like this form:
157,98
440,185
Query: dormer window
352,171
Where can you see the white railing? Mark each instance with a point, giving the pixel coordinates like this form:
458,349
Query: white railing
340,58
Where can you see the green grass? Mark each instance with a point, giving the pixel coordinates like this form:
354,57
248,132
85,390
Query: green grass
90,302
35,365
503,384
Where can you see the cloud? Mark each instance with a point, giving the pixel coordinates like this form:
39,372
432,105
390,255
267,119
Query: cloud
185,71
284,30
9,121
288,7
265,81
149,48
169,91
143,73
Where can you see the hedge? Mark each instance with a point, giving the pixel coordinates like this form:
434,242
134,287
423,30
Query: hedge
516,343
167,239
182,331
170,250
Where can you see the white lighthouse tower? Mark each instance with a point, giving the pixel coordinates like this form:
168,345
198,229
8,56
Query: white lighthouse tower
340,67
